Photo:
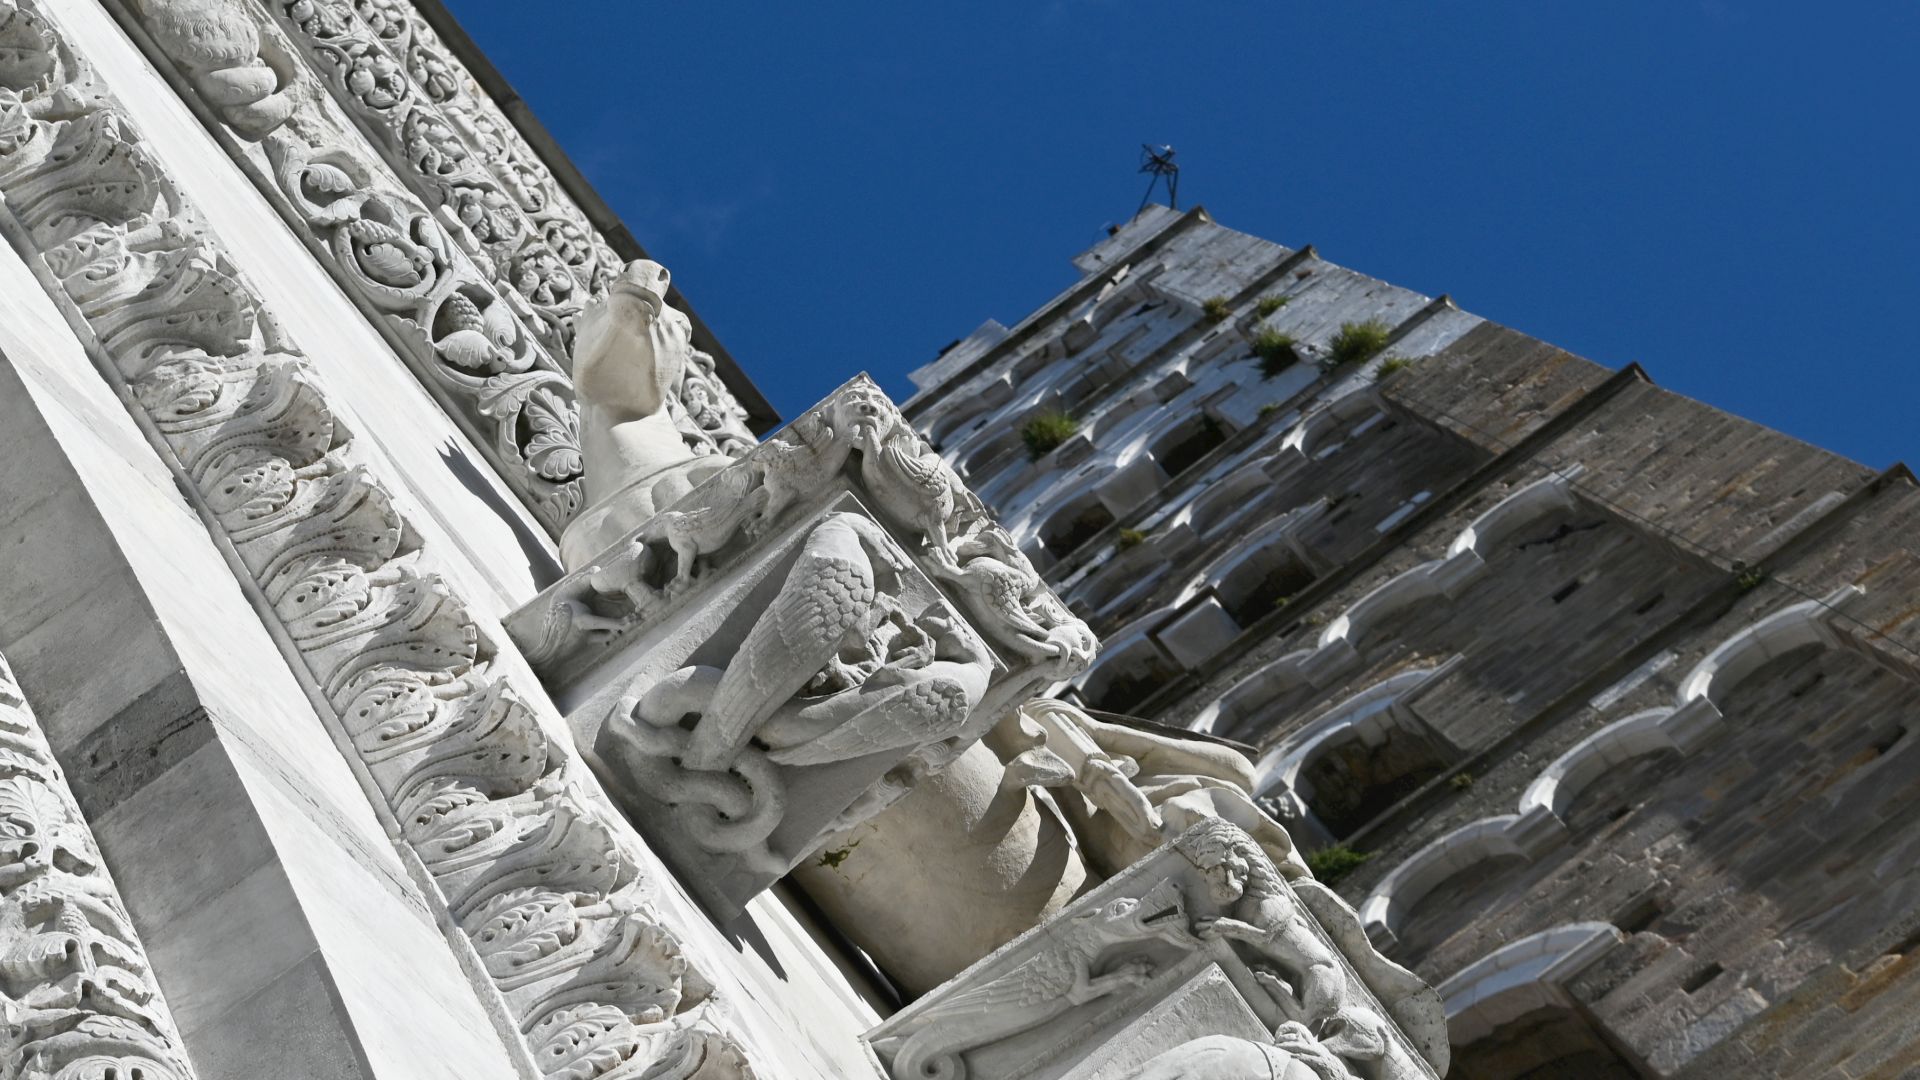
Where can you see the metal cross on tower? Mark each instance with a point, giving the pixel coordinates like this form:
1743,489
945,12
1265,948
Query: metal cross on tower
1157,162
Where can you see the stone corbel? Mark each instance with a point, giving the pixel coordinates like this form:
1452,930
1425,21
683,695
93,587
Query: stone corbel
1200,944
787,649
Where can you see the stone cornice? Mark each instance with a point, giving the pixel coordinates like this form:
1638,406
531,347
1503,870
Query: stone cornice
545,891
80,993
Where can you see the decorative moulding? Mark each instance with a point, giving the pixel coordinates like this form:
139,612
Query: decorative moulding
80,996
543,888
484,323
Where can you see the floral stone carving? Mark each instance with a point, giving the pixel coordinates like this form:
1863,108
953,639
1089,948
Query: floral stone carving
76,996
542,887
1198,954
787,649
475,265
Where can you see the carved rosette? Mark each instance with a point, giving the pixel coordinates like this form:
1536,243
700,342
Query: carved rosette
80,997
537,872
477,269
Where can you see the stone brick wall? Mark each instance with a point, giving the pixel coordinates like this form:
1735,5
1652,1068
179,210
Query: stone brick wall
1636,789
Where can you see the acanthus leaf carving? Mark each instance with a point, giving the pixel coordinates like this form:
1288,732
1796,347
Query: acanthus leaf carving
476,788
79,995
500,226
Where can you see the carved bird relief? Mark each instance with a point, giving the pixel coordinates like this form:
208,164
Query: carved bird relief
827,596
898,707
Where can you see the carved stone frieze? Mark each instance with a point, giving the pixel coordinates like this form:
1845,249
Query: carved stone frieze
475,279
1199,949
77,998
541,879
855,440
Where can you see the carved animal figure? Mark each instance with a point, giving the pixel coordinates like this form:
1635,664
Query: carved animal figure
1264,918
909,480
826,597
1032,993
898,706
631,352
991,571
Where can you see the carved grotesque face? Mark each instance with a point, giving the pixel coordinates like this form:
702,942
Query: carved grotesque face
1227,878
864,415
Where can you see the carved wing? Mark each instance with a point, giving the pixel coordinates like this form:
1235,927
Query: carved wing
907,716
828,592
924,472
1042,979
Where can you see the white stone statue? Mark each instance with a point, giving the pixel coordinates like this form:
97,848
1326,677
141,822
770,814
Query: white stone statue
1268,924
1143,789
631,353
833,670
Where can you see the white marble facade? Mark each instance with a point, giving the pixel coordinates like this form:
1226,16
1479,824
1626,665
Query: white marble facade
423,670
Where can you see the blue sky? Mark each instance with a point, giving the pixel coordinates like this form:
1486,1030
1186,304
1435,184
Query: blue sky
1722,191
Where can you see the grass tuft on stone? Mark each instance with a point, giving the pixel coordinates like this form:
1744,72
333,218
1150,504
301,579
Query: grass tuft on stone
1267,305
1392,364
1216,308
1045,431
1335,861
1130,538
1358,342
1275,351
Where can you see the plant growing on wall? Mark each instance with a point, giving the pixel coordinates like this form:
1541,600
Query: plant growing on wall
1130,538
1045,431
1392,364
1267,305
1216,308
1275,351
1335,861
1357,342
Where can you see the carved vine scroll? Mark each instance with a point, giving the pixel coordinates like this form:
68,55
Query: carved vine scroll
474,267
542,880
79,997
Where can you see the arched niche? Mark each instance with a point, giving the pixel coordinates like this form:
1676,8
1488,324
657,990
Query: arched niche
1181,444
1131,667
1073,523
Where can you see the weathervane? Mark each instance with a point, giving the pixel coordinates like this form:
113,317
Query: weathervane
1157,163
